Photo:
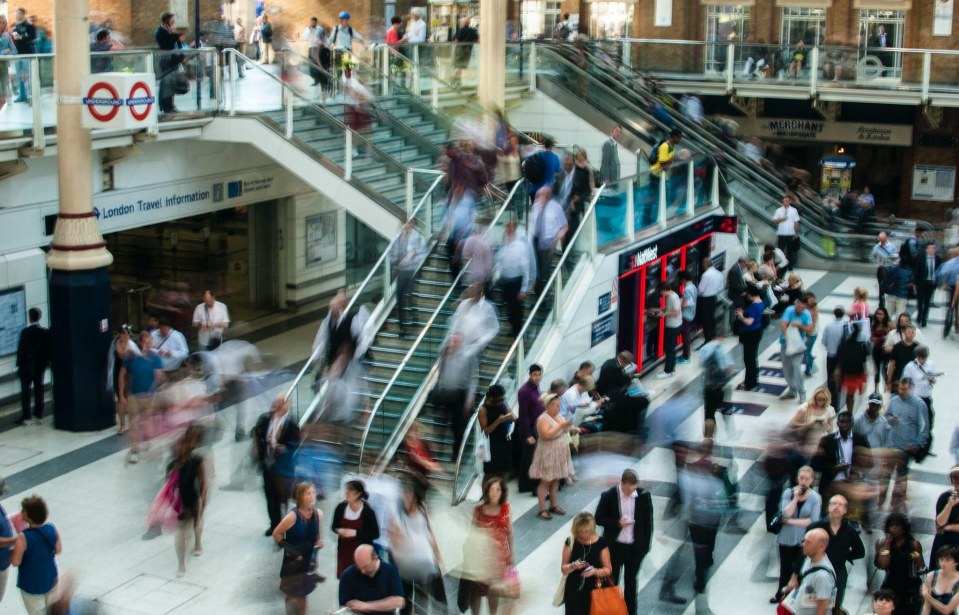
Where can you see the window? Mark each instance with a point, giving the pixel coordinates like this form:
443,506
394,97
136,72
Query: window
882,28
803,24
539,18
724,24
610,19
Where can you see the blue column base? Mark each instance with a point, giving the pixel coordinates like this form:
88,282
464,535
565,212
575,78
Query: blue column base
81,333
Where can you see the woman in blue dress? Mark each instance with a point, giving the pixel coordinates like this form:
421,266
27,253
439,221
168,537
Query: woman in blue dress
34,554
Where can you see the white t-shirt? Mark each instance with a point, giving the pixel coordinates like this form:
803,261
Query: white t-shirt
417,33
673,304
217,316
788,226
816,586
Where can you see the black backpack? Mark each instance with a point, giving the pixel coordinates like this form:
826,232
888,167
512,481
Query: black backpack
654,154
534,168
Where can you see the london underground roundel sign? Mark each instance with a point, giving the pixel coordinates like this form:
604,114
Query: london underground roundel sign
140,101
119,101
103,95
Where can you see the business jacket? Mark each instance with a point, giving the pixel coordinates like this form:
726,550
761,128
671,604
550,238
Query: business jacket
608,516
33,351
921,268
736,286
609,168
280,464
827,457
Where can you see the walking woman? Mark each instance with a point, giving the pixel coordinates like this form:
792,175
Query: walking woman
416,554
34,554
491,518
355,524
551,459
879,328
585,557
300,536
192,483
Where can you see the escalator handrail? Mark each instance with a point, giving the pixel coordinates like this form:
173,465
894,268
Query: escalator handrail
327,117
504,366
314,354
465,100
696,138
415,345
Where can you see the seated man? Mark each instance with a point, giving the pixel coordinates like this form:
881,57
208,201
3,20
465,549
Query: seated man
371,586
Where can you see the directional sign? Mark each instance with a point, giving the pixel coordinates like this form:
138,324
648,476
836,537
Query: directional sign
765,387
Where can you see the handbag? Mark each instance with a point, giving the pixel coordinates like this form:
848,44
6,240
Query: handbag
167,506
559,596
775,524
181,83
794,342
483,452
607,599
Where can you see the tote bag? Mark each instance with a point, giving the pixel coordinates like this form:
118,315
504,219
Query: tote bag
607,599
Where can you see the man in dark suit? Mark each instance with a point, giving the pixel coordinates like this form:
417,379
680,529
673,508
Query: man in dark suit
33,359
276,436
626,514
924,268
839,455
736,286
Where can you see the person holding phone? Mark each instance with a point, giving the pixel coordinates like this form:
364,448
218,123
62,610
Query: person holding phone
585,557
947,518
800,506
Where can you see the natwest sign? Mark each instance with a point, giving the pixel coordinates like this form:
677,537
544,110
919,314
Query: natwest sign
119,100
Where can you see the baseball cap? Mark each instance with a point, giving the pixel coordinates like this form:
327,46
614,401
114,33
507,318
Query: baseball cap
875,398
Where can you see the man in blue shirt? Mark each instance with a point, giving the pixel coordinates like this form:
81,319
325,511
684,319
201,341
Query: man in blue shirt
371,585
551,164
799,317
139,377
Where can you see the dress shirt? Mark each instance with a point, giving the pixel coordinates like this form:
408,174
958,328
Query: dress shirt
627,510
876,432
882,254
514,260
832,336
920,375
845,451
912,427
408,251
673,304
417,32
477,322
711,283
175,343
931,269
314,36
789,216
357,332
546,231
571,400
218,316
478,253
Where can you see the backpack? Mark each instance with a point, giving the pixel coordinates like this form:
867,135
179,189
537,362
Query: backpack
534,168
266,32
653,157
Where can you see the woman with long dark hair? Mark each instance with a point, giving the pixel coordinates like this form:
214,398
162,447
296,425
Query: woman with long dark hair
900,555
879,327
354,522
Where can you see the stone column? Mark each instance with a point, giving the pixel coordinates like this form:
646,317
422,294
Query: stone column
492,49
79,284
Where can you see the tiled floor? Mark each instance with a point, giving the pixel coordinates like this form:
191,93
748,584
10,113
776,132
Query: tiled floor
99,504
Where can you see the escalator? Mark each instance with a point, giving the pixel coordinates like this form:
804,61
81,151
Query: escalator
617,97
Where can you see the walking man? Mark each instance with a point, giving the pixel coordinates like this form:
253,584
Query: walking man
609,170
882,254
908,418
275,439
845,545
926,281
626,514
409,250
797,316
33,358
787,231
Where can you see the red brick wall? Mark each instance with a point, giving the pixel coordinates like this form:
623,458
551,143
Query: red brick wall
943,156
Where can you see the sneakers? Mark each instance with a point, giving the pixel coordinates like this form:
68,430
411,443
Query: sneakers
787,394
664,375
682,361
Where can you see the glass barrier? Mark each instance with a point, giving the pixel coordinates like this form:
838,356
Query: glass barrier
943,70
187,81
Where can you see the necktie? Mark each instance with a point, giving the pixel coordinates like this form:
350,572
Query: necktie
931,269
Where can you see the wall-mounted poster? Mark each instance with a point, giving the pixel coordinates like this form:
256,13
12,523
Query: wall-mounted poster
932,183
321,238
13,318
942,18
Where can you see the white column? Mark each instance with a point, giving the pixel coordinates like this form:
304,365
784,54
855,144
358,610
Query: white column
492,50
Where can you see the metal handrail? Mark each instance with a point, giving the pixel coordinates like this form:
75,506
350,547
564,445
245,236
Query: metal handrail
314,355
329,117
590,211
419,339
465,99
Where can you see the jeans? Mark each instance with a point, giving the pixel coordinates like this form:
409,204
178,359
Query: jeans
704,542
687,332
808,357
792,371
669,342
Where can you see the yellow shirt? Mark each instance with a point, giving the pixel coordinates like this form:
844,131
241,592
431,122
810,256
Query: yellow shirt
666,153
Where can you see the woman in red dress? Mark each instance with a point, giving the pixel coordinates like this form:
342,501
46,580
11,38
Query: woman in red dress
492,519
354,523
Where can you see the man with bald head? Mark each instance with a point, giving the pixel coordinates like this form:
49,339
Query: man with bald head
813,591
371,585
845,545
276,437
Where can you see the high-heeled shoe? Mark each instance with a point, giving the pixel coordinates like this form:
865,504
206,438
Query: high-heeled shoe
777,598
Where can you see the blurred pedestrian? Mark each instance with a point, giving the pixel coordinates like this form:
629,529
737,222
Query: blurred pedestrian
34,554
515,272
477,257
407,255
909,418
416,554
139,378
495,419
494,566
547,226
354,522
690,295
338,329
300,535
276,437
853,355
609,170
192,483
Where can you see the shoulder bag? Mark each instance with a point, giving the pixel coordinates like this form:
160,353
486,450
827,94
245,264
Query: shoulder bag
607,599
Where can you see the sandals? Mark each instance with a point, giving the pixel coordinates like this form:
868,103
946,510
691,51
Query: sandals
545,515
556,510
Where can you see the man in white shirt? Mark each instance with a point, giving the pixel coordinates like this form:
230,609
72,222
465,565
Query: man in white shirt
343,35
515,270
211,319
170,344
923,374
711,283
815,589
787,231
341,332
672,315
416,33
315,37
548,227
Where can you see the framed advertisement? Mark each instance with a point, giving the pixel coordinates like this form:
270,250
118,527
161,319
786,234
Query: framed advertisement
13,318
321,238
933,183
